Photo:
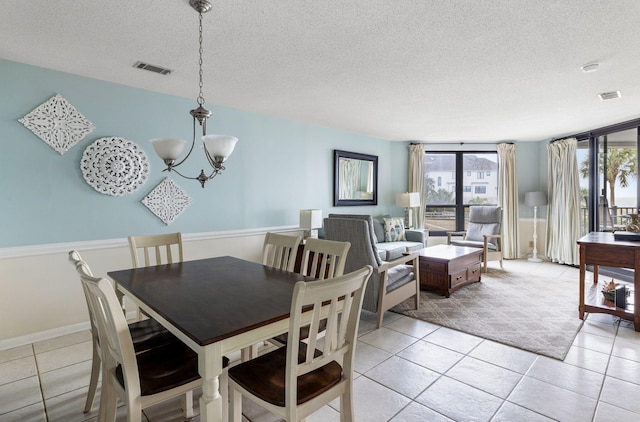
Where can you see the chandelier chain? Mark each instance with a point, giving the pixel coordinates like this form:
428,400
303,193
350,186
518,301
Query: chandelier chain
200,95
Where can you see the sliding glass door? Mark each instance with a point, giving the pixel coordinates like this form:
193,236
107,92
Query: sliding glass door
611,177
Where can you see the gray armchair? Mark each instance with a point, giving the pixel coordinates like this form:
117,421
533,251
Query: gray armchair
392,282
484,231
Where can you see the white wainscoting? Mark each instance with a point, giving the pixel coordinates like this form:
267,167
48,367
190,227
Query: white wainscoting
41,296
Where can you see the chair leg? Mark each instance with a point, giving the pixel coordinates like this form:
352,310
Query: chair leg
187,404
346,406
93,380
235,405
108,404
380,317
223,379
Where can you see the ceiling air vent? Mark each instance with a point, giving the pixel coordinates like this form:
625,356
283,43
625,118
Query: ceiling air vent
152,68
609,95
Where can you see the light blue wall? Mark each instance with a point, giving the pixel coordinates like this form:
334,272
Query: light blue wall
278,167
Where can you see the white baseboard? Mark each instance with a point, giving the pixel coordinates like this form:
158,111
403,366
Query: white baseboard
10,343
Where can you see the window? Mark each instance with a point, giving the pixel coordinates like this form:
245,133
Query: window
447,206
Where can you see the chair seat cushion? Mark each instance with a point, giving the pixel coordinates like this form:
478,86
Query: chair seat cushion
474,244
388,251
264,377
165,367
149,333
399,276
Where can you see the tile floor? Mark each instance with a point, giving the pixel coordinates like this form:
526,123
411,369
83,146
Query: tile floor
409,370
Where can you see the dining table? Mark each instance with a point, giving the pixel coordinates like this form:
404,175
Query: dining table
215,306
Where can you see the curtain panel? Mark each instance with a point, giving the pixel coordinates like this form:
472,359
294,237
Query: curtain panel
563,220
508,199
416,182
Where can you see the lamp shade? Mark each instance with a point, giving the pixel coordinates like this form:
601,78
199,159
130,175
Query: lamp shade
535,199
408,200
168,148
310,219
219,145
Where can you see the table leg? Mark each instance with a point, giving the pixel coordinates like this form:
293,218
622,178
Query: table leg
210,368
636,292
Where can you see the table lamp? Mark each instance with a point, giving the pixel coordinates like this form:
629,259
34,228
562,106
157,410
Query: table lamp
407,201
535,199
310,221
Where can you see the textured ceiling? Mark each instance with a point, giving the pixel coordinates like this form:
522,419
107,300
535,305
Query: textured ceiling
446,70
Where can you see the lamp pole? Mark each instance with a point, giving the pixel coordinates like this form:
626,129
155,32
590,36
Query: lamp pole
535,258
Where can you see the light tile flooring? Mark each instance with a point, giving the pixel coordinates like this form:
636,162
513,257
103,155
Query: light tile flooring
409,370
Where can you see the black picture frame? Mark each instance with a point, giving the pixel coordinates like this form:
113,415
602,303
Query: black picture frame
366,197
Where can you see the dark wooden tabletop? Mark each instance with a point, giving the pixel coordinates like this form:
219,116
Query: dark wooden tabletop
607,238
215,298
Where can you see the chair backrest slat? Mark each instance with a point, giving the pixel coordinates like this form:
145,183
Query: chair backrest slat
324,258
160,247
280,251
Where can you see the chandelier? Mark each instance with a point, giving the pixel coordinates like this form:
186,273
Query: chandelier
217,148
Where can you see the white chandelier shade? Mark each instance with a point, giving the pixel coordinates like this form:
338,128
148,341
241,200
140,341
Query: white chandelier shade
168,148
219,147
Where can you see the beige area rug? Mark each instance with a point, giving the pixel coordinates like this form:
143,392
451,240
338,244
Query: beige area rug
536,311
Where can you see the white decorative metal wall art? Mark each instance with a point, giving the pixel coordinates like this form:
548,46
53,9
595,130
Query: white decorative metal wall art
114,166
167,201
58,124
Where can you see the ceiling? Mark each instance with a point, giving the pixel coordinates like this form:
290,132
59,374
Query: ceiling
422,70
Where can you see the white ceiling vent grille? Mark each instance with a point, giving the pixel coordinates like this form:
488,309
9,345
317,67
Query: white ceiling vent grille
609,95
152,68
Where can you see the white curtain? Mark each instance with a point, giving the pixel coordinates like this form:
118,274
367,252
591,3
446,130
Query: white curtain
416,182
563,219
508,200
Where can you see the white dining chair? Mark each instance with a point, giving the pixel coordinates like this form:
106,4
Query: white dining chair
144,335
296,380
280,251
141,379
152,250
163,247
321,259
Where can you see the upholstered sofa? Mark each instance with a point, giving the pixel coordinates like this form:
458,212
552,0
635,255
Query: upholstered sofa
415,239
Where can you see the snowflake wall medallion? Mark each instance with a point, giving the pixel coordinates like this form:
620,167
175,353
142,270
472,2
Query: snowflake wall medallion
167,201
58,124
114,166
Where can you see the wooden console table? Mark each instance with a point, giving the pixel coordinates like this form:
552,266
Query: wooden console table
599,248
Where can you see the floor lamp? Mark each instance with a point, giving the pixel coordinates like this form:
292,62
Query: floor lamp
535,199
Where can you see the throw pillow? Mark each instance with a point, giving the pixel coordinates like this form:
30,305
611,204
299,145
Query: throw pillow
394,229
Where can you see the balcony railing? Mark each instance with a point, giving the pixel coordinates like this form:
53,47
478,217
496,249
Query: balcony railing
444,219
